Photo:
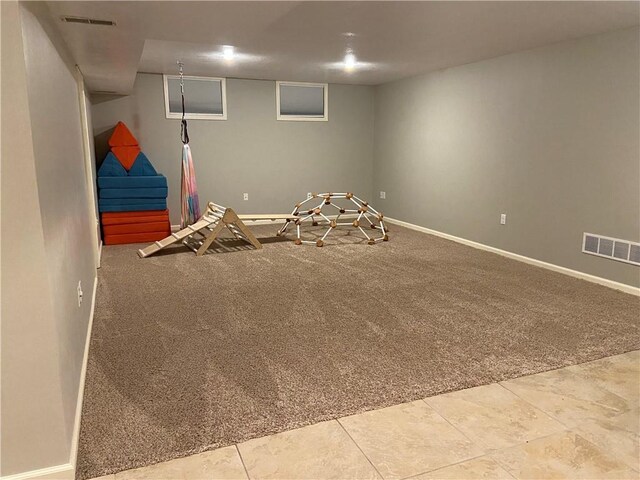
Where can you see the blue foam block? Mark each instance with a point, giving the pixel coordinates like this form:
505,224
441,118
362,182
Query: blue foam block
111,167
129,201
157,181
133,192
142,167
152,205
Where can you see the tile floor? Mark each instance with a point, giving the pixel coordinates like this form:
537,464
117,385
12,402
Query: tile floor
577,422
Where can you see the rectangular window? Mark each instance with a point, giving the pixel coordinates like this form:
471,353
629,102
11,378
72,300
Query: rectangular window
302,101
205,98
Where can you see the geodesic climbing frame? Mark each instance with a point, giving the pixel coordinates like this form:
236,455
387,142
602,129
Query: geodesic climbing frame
333,207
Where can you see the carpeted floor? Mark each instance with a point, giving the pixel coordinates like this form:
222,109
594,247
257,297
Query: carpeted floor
189,354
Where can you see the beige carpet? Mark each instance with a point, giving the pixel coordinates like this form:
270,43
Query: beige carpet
189,354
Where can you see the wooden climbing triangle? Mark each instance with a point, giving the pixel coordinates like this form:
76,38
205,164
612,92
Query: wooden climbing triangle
200,235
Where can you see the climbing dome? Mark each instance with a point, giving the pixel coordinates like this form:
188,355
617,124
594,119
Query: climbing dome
327,210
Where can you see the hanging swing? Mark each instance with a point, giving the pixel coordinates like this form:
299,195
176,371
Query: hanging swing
190,212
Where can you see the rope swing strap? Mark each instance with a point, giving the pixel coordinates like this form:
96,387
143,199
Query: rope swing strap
184,133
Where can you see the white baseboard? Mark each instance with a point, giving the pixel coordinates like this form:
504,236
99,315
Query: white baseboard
59,472
275,223
279,223
100,253
531,261
83,374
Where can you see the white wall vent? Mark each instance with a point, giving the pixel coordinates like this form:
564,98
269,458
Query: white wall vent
612,248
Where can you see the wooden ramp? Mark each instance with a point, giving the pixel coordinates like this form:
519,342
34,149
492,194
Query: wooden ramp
267,216
199,236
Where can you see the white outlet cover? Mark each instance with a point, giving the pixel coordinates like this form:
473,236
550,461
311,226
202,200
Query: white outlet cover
309,195
245,196
503,219
383,195
80,294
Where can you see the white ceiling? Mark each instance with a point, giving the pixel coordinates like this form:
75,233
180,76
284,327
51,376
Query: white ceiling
306,41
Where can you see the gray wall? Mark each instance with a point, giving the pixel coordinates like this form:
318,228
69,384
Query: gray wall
276,162
46,245
548,136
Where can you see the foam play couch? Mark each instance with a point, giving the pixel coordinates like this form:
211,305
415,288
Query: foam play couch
132,196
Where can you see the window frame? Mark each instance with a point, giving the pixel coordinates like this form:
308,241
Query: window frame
195,116
303,118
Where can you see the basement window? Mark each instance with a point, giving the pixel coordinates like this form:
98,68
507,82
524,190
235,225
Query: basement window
205,98
302,101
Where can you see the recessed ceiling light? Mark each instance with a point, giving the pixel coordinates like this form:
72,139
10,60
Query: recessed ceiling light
349,61
228,52
229,55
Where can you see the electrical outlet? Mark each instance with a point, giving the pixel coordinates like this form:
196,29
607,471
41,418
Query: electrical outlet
503,219
80,294
383,195
309,195
245,196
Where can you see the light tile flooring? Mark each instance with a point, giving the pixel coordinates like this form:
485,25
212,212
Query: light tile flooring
576,422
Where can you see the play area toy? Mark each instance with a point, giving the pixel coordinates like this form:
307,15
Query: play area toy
190,203
132,196
199,236
339,204
134,227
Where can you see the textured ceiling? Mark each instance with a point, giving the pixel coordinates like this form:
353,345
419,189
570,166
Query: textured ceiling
306,41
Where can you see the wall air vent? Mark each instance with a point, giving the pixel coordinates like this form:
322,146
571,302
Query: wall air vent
88,21
612,248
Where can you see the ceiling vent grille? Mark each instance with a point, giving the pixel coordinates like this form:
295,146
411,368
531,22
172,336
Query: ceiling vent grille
612,248
88,21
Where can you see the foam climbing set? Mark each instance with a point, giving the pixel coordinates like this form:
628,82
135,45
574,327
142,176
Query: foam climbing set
132,196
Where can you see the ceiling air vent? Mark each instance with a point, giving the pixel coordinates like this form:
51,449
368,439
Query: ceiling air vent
88,21
612,248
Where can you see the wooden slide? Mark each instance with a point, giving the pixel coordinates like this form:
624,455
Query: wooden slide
199,236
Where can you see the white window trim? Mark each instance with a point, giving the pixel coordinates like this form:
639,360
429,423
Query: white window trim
303,118
195,116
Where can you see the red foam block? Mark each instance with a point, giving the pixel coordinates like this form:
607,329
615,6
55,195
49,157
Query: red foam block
134,238
136,219
146,227
126,155
122,137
